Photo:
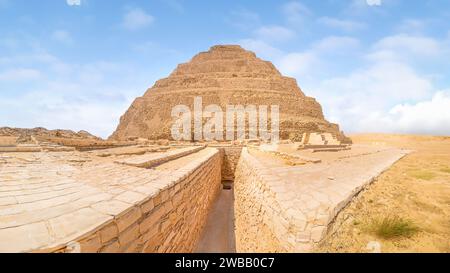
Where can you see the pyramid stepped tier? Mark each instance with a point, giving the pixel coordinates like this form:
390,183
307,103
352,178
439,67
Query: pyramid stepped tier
225,75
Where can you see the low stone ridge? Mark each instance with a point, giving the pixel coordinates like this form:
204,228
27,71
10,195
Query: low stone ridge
150,160
39,132
226,74
14,139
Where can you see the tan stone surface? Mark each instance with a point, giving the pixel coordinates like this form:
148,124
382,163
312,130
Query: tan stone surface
150,160
283,208
79,202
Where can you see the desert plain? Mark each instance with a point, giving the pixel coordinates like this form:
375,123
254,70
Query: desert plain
415,191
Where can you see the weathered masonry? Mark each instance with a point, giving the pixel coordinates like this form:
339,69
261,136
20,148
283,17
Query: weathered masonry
157,199
97,205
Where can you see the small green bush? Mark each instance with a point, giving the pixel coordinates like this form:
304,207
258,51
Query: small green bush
393,227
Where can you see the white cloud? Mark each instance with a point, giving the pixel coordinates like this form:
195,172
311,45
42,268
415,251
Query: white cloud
305,64
88,96
360,101
56,109
346,25
73,2
136,19
20,74
425,117
429,116
384,83
403,43
274,33
363,7
76,104
298,64
374,2
261,48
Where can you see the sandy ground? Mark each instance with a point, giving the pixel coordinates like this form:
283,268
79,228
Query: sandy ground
416,189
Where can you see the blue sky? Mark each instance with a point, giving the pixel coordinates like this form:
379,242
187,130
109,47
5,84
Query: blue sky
375,66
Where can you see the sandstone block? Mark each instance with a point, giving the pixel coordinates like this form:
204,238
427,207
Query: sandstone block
129,218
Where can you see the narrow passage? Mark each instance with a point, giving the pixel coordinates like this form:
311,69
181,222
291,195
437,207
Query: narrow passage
218,235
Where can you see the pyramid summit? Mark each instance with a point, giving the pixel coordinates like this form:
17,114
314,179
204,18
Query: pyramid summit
224,75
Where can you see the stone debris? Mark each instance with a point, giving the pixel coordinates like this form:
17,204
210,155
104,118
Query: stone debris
373,247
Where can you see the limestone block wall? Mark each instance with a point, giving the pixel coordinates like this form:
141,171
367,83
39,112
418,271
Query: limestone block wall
289,209
263,222
169,221
231,157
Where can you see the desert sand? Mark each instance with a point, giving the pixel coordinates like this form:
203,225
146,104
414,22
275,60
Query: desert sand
416,189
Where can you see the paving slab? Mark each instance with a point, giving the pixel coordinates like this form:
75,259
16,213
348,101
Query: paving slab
315,193
48,199
151,160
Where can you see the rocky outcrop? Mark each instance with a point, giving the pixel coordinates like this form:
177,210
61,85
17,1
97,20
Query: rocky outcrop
23,133
40,136
224,75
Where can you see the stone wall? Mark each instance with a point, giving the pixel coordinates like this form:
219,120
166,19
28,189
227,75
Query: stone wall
289,208
170,221
263,222
230,157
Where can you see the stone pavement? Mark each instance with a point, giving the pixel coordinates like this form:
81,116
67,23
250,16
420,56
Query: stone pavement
47,200
286,208
88,202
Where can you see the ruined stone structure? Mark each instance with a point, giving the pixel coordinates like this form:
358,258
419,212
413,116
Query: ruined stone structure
41,139
85,202
153,198
224,75
289,209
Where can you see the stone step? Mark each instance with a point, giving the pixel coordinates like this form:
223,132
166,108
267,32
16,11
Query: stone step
151,160
309,146
327,149
20,149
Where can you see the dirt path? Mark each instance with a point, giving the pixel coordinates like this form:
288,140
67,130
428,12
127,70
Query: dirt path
416,189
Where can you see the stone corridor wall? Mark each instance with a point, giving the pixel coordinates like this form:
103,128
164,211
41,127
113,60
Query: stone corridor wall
171,221
262,221
230,157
